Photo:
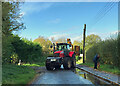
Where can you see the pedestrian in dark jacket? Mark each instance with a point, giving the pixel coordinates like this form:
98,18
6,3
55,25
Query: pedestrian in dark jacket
95,60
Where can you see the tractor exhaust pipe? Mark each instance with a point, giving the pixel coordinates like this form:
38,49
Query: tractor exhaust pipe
53,47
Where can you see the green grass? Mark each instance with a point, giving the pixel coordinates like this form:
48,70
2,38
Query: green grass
35,64
14,74
105,67
110,68
88,64
79,61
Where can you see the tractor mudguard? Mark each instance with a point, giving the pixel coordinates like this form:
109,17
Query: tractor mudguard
71,53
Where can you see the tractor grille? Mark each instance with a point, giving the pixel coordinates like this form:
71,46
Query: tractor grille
56,54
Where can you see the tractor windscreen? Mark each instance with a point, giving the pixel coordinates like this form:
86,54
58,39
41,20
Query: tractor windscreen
61,47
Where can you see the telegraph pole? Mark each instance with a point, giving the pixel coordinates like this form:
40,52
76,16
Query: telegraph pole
84,30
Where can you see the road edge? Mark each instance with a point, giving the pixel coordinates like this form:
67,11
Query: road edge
34,78
114,83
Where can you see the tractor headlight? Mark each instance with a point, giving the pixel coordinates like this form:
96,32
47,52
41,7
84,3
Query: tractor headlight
53,59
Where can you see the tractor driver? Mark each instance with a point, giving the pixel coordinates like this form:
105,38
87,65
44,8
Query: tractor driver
63,48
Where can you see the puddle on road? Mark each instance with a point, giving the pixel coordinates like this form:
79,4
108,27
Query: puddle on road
95,80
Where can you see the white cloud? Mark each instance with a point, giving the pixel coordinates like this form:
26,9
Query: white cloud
35,7
57,36
92,33
115,32
78,38
106,35
73,38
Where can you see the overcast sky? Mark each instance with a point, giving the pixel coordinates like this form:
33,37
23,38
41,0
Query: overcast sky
67,19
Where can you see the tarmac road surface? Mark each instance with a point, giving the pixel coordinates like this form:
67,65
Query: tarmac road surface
60,76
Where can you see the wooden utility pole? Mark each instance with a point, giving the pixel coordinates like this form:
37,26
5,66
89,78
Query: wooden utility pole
84,43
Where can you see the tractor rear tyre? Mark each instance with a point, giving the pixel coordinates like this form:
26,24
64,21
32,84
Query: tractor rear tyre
73,62
66,63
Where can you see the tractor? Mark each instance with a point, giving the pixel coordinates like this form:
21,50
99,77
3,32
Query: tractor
62,55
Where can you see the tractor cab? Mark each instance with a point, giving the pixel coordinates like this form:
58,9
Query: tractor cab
63,46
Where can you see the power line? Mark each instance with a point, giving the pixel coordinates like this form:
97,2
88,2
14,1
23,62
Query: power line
103,12
103,9
91,22
102,15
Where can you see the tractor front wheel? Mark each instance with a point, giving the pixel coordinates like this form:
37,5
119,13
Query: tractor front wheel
48,67
73,62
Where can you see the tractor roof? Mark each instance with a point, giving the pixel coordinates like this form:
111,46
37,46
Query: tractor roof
62,44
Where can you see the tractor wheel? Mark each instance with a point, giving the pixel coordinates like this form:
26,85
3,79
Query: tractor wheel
73,62
48,67
58,67
66,63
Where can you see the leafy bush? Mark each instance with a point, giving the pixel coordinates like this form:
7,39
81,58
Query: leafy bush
108,51
14,58
27,50
7,48
77,58
16,48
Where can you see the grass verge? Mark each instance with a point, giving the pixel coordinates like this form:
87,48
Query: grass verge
14,74
105,67
35,64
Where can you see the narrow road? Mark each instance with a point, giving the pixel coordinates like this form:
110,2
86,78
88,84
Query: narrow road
60,76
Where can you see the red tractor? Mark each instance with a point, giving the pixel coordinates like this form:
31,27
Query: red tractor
61,56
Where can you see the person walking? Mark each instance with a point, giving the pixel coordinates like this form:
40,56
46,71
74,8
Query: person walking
95,60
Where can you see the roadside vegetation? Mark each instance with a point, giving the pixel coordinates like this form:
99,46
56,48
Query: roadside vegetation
39,63
14,74
108,50
104,67
15,48
109,54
